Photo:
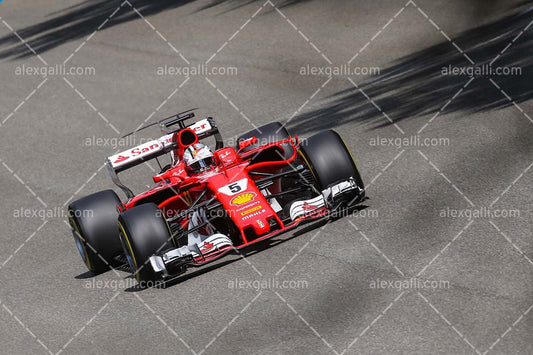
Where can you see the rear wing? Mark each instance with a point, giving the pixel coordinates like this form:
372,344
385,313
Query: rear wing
158,147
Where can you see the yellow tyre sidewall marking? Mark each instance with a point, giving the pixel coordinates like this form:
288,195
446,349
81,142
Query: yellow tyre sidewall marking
127,239
309,166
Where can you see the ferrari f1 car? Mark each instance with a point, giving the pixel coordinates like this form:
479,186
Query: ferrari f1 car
206,204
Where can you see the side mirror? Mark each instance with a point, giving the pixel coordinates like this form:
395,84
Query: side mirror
248,142
161,177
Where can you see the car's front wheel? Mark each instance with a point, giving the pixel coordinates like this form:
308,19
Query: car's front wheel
330,161
144,231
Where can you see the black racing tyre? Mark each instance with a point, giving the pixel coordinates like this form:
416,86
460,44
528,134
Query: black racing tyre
143,231
93,220
329,159
269,133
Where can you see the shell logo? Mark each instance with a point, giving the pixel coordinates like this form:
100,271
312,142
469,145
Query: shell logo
243,198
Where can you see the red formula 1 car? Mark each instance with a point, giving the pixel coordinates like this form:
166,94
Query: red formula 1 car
206,203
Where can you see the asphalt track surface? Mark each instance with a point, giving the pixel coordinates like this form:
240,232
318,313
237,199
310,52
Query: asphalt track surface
426,218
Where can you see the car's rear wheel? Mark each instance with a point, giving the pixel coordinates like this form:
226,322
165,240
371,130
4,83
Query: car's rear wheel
329,160
93,220
144,231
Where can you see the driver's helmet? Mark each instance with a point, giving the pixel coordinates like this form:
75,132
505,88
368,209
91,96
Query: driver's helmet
198,158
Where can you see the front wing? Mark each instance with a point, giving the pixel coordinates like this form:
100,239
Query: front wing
170,267
175,261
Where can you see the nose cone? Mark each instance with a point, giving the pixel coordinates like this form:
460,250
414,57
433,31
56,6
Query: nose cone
261,226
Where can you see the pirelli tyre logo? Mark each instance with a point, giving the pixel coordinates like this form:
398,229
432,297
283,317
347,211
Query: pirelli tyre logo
251,210
243,198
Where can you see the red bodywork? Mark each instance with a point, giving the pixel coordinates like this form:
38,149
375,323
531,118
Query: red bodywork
232,185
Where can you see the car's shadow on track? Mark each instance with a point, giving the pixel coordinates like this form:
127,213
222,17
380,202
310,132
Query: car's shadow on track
247,252
85,275
418,85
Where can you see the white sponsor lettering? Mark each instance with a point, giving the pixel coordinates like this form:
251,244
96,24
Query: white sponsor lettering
141,151
201,126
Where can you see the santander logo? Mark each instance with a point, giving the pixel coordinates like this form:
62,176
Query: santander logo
307,207
206,247
150,147
139,151
120,159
